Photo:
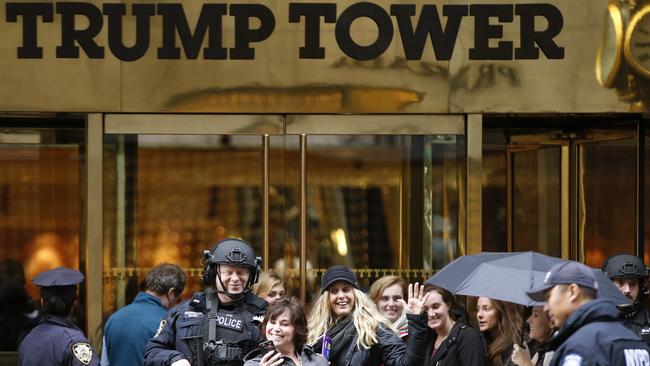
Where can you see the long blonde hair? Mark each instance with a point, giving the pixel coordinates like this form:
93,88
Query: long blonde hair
266,282
365,316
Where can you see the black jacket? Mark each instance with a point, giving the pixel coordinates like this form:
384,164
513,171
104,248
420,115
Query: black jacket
390,350
181,336
638,321
593,335
307,356
463,347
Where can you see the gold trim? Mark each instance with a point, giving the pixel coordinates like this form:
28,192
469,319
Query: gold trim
265,194
565,212
615,15
474,211
193,124
628,36
122,273
432,124
94,225
303,217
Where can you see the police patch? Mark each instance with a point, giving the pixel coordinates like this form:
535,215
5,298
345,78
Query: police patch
160,327
83,352
572,360
192,314
230,321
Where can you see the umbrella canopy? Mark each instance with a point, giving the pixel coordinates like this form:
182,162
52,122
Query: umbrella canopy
508,276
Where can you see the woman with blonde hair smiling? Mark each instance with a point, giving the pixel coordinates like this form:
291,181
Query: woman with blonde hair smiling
387,292
269,287
346,327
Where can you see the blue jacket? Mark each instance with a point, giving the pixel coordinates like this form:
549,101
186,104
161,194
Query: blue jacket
128,330
55,341
593,335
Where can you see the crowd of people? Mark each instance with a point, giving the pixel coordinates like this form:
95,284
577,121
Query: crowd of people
245,318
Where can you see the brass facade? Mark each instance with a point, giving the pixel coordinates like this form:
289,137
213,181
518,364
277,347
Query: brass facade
278,81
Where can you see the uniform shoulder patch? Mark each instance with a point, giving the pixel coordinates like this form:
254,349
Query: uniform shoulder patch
160,327
572,359
83,352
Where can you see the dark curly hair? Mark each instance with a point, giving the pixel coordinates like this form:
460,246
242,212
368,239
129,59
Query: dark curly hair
296,315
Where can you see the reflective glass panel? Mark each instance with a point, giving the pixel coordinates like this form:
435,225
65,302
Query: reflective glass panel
383,204
170,197
536,200
41,216
607,202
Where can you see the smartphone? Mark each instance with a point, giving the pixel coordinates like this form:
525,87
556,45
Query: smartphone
267,345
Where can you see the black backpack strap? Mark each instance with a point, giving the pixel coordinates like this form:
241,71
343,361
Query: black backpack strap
212,306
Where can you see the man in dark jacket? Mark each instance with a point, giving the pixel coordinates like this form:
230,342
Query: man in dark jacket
629,274
589,331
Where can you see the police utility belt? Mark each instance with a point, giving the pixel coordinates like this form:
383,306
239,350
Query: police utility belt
221,349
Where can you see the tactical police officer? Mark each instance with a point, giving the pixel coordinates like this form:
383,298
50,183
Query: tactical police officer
218,326
56,341
629,274
589,332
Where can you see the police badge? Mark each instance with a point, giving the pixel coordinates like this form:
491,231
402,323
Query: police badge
161,326
572,360
83,352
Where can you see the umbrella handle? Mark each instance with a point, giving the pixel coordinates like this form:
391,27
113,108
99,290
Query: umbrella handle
523,336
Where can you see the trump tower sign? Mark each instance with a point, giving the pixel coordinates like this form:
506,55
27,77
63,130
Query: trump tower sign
285,57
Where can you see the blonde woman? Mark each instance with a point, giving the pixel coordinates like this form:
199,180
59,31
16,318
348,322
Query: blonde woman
387,292
346,327
269,287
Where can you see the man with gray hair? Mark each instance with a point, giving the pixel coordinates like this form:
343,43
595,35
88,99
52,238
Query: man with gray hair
128,330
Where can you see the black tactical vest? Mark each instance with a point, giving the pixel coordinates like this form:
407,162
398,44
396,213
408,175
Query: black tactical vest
228,334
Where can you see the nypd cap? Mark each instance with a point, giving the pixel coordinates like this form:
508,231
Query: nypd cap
61,276
565,273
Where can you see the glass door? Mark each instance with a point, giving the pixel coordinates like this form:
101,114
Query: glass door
382,194
173,186
566,192
537,207
606,181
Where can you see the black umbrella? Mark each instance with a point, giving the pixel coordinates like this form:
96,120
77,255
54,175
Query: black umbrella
508,276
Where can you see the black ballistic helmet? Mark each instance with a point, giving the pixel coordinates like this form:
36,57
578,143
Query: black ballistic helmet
235,252
624,266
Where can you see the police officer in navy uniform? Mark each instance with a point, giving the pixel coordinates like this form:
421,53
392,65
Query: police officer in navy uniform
56,341
589,330
629,274
218,326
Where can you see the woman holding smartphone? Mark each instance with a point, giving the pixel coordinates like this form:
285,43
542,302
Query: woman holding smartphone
285,327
